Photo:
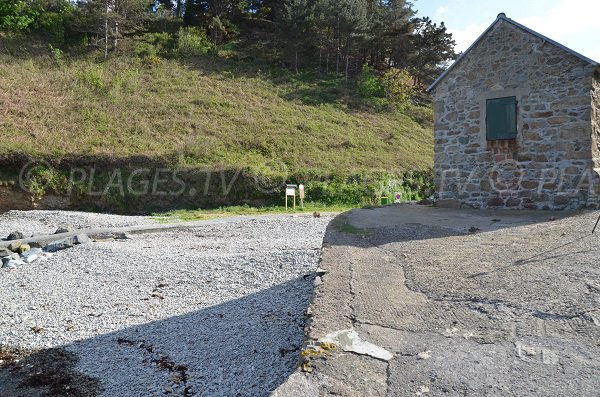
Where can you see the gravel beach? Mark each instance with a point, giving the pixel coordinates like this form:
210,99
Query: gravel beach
214,310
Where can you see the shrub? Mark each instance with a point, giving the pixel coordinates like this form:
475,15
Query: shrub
154,45
192,41
16,15
93,77
57,54
369,85
398,85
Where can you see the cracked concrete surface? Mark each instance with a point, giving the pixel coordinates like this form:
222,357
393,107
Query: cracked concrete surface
512,310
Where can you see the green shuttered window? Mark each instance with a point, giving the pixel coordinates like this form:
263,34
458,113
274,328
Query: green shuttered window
501,118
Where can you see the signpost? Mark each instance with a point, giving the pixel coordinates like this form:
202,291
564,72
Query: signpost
290,190
301,193
397,198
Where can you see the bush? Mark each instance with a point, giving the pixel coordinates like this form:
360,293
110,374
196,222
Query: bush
154,45
398,85
93,77
369,85
57,54
192,41
16,15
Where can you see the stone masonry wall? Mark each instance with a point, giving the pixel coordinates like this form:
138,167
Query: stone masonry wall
596,119
550,164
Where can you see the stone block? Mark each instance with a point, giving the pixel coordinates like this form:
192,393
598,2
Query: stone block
448,203
513,202
558,120
495,202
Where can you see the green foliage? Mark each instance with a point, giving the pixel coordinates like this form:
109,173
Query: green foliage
340,191
44,179
413,185
398,86
369,85
92,77
54,19
16,15
435,50
57,54
154,45
192,41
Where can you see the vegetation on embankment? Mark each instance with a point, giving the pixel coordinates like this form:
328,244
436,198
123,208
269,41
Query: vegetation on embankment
206,112
210,113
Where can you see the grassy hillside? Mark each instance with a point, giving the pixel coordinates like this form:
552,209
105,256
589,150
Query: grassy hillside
212,112
205,112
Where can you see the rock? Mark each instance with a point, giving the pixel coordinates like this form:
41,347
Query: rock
65,229
121,236
15,236
11,256
59,245
35,244
81,239
31,258
14,246
23,248
68,243
32,255
5,252
13,263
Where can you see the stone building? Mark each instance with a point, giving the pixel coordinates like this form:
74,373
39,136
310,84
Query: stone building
517,124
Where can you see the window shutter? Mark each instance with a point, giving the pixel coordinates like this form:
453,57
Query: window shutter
501,118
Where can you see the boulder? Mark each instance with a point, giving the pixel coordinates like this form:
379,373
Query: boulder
121,236
59,245
13,263
16,235
68,243
5,252
81,238
23,248
10,257
14,246
35,244
32,255
65,229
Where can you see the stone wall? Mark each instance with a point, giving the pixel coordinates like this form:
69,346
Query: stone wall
596,119
550,164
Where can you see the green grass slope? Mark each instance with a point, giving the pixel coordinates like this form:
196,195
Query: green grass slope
209,112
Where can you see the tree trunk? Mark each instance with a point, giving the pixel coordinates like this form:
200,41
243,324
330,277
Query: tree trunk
339,44
116,38
296,62
106,32
320,58
347,58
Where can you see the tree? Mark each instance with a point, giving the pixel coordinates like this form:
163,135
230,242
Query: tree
432,48
17,15
295,26
111,19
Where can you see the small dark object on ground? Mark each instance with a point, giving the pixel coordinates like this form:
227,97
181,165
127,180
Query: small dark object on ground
317,214
474,229
65,229
16,235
